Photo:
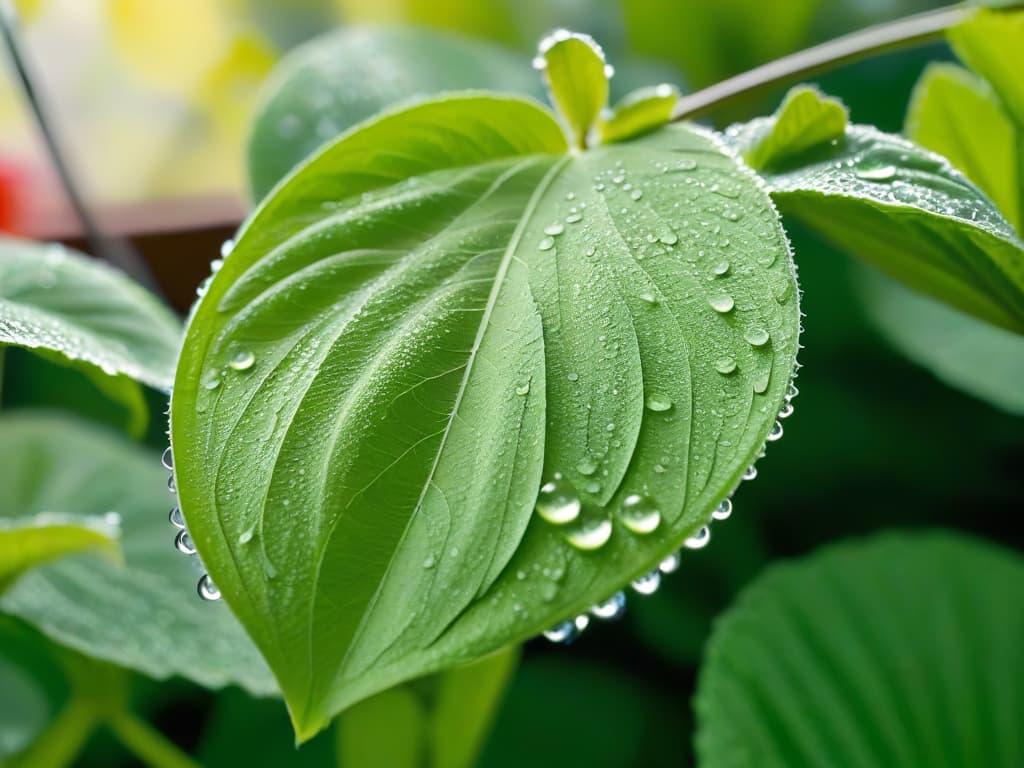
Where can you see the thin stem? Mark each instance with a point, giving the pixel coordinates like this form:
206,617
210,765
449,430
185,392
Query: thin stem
60,742
903,33
147,743
115,252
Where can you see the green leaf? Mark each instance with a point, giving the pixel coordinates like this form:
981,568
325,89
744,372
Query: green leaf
902,651
432,318
805,119
327,85
576,74
641,111
56,300
908,212
143,614
989,42
25,544
957,115
24,710
440,721
965,353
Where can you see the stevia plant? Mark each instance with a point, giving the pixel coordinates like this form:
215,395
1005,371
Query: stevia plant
475,365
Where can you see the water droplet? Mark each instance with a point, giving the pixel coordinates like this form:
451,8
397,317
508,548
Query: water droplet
207,589
876,172
563,632
750,472
636,194
590,534
246,536
183,543
573,377
572,218
657,403
554,229
723,510
167,459
648,583
670,564
775,433
612,608
640,514
429,562
593,487
176,518
546,244
539,63
700,539
523,389
609,70
212,383
570,196
650,298
587,466
558,502
725,365
242,360
668,238
171,486
787,410
723,303
226,248
792,391
112,519
720,269
756,336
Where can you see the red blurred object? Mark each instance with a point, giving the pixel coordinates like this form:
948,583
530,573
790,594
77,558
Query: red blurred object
11,178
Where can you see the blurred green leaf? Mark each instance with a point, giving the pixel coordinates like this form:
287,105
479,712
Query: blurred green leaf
640,111
963,352
805,119
899,651
325,86
991,42
958,116
24,710
574,72
143,615
448,269
27,543
54,299
908,212
386,729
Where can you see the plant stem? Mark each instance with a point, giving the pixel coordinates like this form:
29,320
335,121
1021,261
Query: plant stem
147,743
60,742
910,31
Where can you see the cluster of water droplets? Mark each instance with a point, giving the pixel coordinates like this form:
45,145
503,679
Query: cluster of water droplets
559,504
182,540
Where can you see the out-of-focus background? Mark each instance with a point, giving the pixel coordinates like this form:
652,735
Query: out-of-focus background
151,100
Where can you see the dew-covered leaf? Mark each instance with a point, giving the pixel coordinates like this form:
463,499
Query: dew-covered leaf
962,351
433,318
327,85
144,613
908,212
805,119
639,111
899,651
575,73
27,543
954,113
55,300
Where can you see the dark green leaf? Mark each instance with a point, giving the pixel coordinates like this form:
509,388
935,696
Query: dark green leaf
431,319
144,614
908,212
805,119
24,710
900,651
56,300
575,73
955,114
326,86
641,111
982,360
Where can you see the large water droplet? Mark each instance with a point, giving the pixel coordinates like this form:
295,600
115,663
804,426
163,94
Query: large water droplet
657,402
648,583
750,472
775,433
167,459
612,608
523,389
546,244
176,518
563,632
636,194
700,539
723,510
207,589
183,543
723,303
589,535
226,248
640,514
558,502
725,365
721,269
875,172
670,564
171,485
786,411
246,536
242,360
429,562
586,466
554,229
756,336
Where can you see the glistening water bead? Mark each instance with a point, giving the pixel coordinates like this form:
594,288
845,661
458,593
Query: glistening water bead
648,583
590,535
207,589
640,514
242,360
700,539
167,459
558,502
723,510
183,543
175,518
612,608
